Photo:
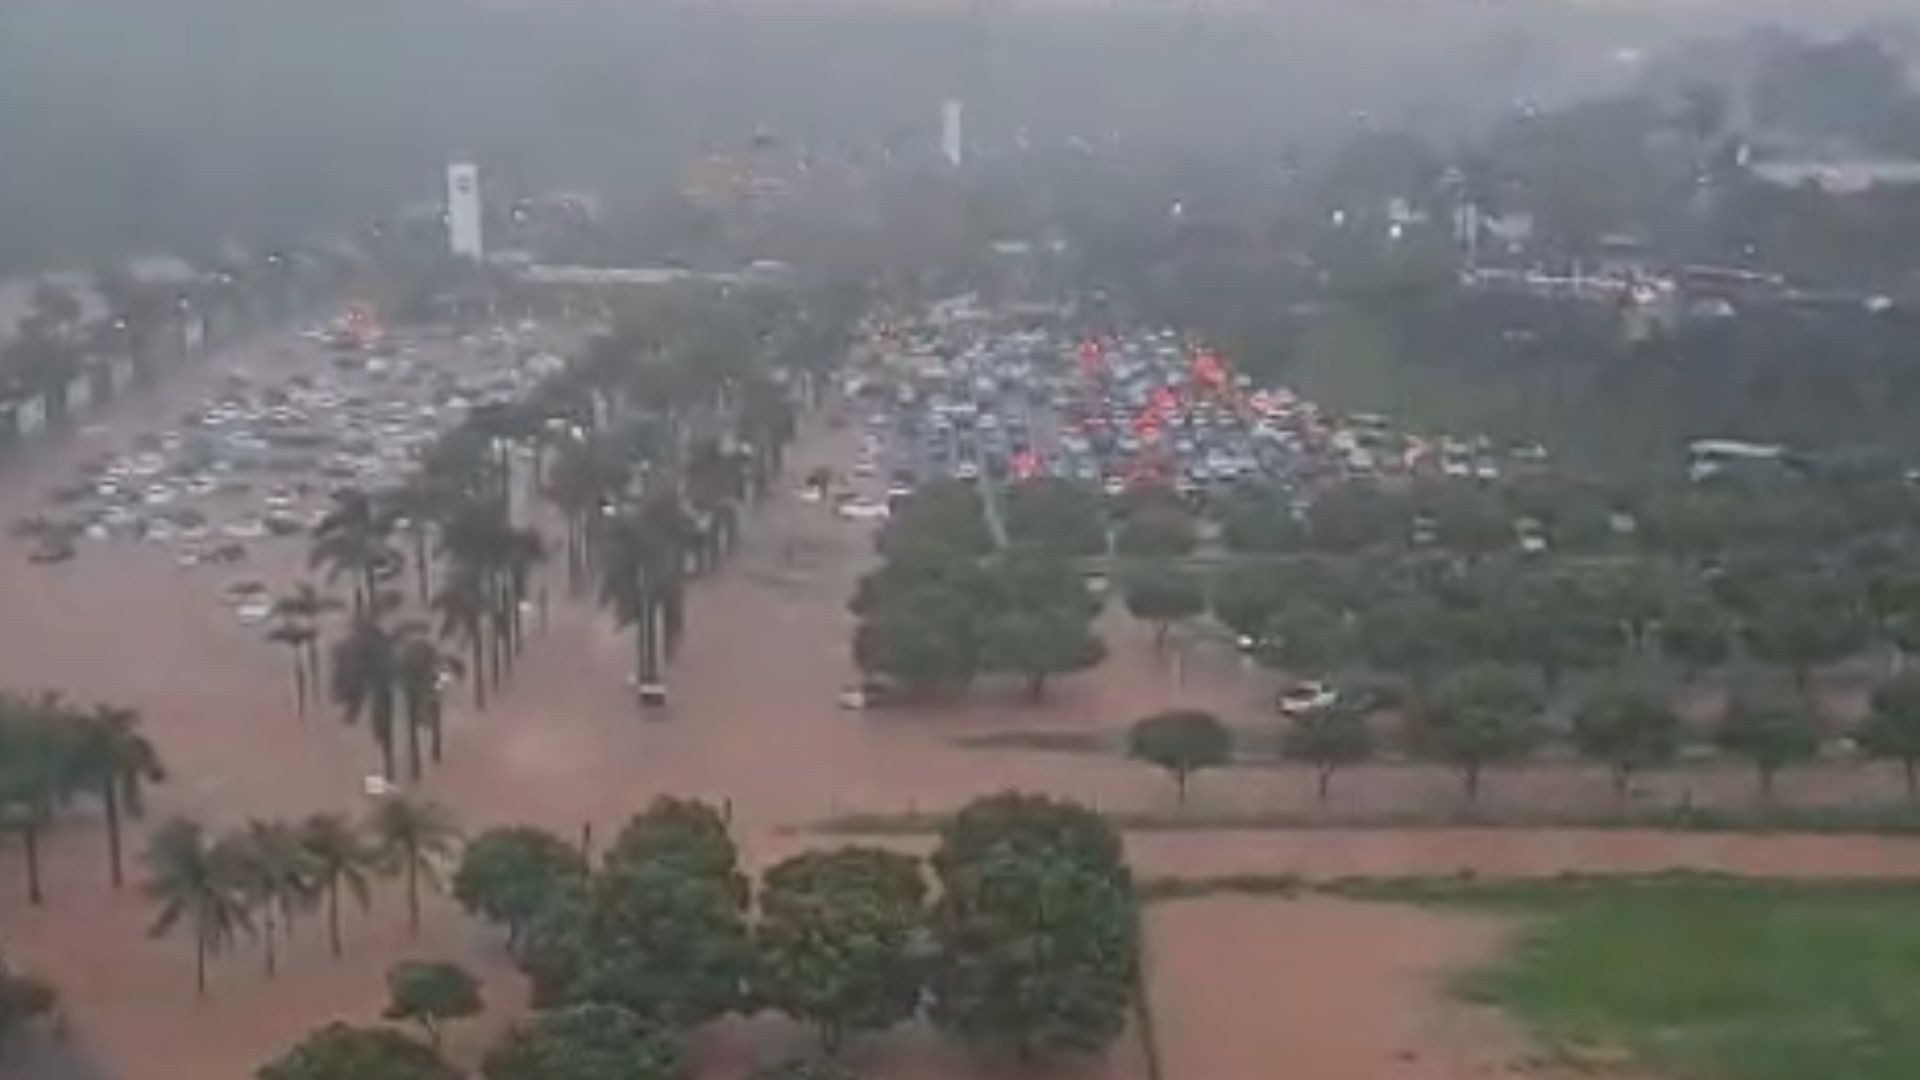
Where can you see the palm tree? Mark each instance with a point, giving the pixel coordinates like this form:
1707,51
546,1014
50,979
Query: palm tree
298,637
195,882
414,837
354,539
274,872
337,857
39,768
117,761
641,582
586,475
423,669
307,606
414,508
462,606
366,681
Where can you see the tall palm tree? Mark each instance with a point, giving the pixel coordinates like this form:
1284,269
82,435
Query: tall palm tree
423,671
354,538
641,583
299,638
307,606
415,507
39,769
339,858
366,681
274,873
586,475
195,882
462,605
116,761
414,838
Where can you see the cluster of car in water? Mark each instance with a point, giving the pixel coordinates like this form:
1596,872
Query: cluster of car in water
1142,408
262,458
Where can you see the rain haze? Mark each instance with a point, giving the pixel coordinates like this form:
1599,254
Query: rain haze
974,540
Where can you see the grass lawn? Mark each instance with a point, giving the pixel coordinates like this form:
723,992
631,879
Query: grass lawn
1715,980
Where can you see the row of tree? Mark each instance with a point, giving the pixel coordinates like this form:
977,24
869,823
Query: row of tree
53,751
261,879
1028,947
1485,716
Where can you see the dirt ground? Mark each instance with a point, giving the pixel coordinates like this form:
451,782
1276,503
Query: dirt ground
754,725
1248,988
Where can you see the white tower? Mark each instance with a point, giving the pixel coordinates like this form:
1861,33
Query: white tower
950,132
463,210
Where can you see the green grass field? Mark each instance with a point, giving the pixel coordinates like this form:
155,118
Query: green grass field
1716,981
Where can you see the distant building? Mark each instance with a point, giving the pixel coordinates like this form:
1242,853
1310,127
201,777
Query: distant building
463,211
1845,176
950,134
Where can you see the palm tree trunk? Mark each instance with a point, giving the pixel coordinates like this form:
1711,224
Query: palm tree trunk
414,719
31,837
266,937
333,914
413,893
421,568
110,796
479,670
299,683
200,961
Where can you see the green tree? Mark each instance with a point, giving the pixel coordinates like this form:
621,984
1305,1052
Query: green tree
685,833
655,937
1695,632
1037,955
1260,521
23,999
1039,644
596,1041
414,838
1328,739
116,762
1770,729
1305,636
195,883
429,993
1477,717
367,680
1181,741
353,539
305,606
1245,597
1801,625
422,670
1039,825
837,940
298,637
641,581
1891,729
1062,516
1162,595
1158,530
1628,728
40,766
275,875
340,1052
1354,517
508,875
339,859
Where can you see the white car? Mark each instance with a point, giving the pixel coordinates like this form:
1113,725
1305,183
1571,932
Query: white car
1309,696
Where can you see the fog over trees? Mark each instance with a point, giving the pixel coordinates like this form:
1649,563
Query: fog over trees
129,125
